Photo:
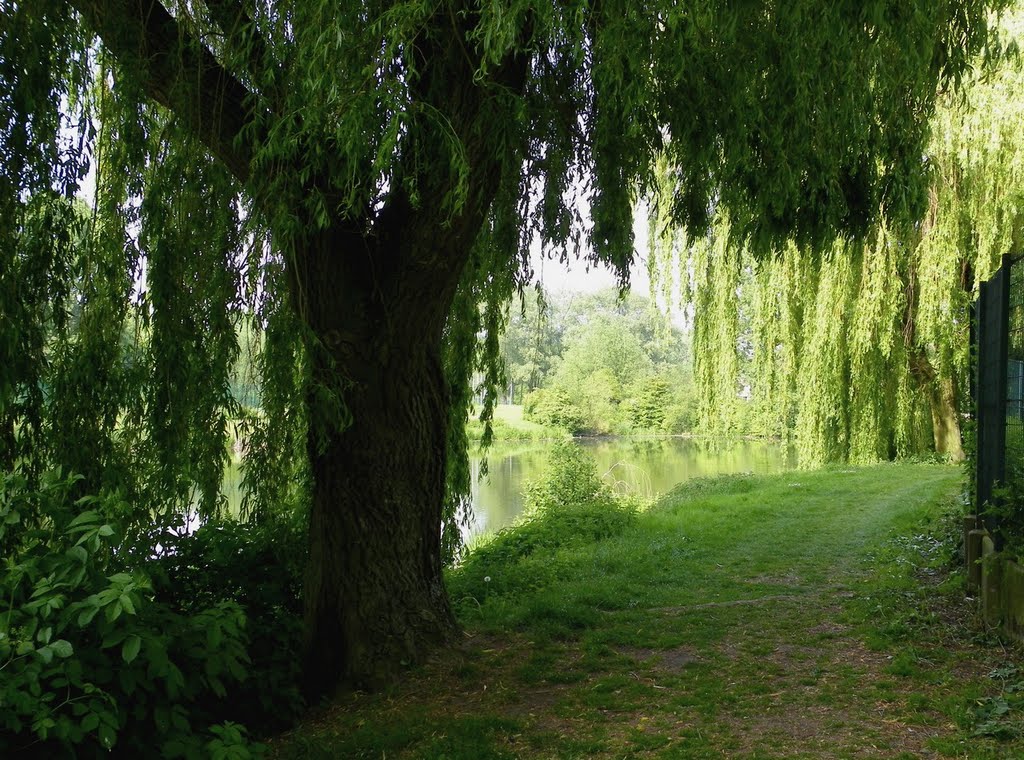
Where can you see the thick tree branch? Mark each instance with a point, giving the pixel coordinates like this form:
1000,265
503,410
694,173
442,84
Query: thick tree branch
242,35
177,72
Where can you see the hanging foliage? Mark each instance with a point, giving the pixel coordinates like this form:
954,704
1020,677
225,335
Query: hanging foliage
860,349
350,182
716,271
829,366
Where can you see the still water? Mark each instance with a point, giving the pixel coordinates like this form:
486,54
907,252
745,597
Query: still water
647,467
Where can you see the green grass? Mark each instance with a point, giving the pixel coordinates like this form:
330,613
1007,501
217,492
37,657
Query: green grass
801,615
508,425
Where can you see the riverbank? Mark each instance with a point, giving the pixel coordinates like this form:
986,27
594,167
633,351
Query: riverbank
802,614
508,425
643,467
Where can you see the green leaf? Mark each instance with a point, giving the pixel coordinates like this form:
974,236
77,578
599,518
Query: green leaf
85,616
62,648
130,649
179,719
112,639
90,722
126,602
128,681
42,726
113,611
236,669
108,738
89,516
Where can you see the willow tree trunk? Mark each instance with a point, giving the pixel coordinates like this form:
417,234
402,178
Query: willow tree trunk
946,418
942,399
374,597
374,594
375,295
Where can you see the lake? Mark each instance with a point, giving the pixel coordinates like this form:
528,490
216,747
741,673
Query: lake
645,466
648,467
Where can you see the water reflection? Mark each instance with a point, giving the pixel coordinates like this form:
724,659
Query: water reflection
645,466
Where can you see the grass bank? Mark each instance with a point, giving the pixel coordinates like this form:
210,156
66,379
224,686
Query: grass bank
798,615
508,425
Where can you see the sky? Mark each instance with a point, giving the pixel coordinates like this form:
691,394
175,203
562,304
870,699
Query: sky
574,277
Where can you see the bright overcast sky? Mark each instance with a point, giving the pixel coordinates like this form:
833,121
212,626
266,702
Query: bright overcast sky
574,277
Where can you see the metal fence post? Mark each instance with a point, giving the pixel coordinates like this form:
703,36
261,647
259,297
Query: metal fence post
993,316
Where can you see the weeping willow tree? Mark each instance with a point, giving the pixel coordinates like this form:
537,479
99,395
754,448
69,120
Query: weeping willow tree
841,375
838,361
354,179
860,347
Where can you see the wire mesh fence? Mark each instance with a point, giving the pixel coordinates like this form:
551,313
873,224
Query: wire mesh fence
1014,451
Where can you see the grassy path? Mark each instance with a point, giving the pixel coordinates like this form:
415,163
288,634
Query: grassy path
801,615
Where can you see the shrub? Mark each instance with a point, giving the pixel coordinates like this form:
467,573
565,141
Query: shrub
570,506
94,657
554,408
258,567
649,407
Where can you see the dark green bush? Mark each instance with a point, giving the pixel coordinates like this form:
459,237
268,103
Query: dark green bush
103,653
258,567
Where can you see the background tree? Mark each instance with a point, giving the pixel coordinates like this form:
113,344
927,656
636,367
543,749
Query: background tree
531,343
357,178
624,367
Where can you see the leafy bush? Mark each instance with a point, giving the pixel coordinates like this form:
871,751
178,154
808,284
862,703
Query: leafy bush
571,506
94,659
597,404
259,567
554,408
649,406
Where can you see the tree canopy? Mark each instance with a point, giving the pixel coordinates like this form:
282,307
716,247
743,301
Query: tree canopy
859,350
355,179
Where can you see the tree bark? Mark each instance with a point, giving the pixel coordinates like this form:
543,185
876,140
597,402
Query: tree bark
374,596
375,296
946,418
942,400
375,309
373,293
178,73
942,391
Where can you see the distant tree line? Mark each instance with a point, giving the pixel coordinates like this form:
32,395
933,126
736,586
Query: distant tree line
598,364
